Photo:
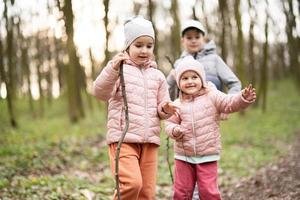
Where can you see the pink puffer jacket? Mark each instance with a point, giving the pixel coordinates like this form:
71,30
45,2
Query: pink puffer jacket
199,118
146,90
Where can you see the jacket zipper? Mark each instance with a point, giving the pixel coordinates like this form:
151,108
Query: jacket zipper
193,128
145,105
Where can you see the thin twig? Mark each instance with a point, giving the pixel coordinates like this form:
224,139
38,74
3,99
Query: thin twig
168,138
123,133
170,61
168,160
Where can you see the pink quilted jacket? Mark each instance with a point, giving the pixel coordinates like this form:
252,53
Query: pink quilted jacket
146,90
199,118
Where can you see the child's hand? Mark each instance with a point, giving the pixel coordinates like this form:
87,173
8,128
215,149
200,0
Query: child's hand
177,133
117,59
249,93
170,108
153,64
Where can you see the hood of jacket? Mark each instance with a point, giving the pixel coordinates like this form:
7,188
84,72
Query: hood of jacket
209,48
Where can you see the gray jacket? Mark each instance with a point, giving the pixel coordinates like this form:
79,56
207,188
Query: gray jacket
215,68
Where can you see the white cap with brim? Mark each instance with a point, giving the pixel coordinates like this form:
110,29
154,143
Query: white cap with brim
137,27
193,24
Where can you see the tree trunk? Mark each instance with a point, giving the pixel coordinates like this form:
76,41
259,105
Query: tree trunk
264,68
26,69
282,66
298,33
175,31
107,54
49,72
225,24
11,57
240,43
208,29
136,8
73,69
8,79
58,62
93,65
9,100
194,15
92,77
151,11
251,46
39,61
293,44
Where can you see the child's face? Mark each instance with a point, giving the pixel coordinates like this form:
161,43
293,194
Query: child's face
190,82
193,40
141,50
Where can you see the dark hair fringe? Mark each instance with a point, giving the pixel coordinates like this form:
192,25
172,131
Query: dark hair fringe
192,28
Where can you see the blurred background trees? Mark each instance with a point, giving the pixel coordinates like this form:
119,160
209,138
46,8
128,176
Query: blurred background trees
55,48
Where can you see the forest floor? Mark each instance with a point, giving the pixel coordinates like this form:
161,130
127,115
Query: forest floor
48,158
276,181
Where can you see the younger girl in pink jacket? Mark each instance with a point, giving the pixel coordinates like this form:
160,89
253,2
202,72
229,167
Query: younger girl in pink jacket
196,130
147,97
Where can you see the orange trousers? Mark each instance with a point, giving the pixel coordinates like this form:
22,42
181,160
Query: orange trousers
137,170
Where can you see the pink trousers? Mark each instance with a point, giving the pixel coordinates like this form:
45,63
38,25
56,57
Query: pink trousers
186,175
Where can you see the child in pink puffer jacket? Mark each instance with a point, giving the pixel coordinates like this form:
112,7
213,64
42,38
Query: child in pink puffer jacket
196,130
148,102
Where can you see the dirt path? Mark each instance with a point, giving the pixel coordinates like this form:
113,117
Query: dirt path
279,181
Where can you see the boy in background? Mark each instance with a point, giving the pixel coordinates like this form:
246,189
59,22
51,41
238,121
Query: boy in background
194,42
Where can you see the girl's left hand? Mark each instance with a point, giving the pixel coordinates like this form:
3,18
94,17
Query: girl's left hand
249,93
170,108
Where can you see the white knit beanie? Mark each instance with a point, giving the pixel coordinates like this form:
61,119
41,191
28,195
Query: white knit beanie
137,27
190,64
